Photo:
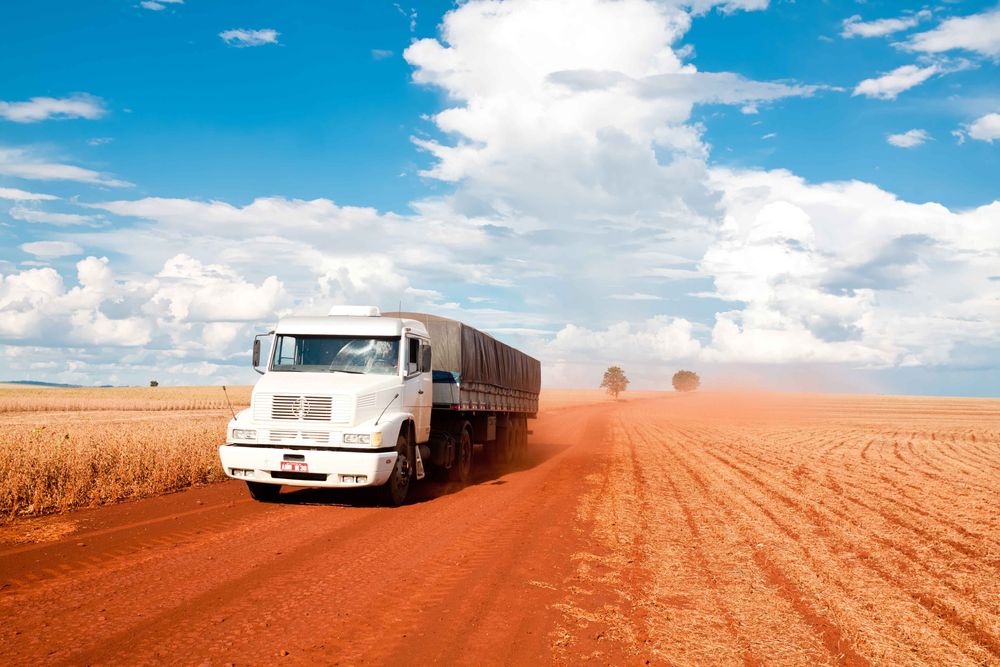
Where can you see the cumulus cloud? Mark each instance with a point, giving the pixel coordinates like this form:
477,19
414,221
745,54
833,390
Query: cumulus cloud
22,163
43,108
580,190
909,139
854,26
891,84
846,272
985,128
242,38
978,33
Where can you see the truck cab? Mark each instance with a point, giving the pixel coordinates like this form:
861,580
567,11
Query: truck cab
345,401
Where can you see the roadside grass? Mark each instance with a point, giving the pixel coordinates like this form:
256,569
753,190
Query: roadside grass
67,448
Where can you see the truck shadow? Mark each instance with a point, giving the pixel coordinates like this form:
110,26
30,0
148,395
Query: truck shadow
426,490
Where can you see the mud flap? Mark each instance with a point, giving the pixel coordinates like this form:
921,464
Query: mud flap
420,463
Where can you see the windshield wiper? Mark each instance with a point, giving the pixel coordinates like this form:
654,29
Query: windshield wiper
341,370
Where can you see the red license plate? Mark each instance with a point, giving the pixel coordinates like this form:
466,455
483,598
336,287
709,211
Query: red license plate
294,466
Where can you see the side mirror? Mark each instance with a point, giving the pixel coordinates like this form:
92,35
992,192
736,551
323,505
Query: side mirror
256,351
425,359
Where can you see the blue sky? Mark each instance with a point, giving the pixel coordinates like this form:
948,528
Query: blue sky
777,194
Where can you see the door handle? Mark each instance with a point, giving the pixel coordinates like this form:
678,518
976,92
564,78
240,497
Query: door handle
420,391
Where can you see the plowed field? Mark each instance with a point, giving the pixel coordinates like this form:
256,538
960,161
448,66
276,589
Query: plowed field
678,529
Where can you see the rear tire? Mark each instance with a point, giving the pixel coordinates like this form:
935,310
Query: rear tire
520,440
264,493
461,469
396,489
501,453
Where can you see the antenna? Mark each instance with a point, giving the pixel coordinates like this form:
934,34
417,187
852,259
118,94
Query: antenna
228,401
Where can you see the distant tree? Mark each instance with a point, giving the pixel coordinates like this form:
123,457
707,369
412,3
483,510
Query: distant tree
154,383
614,381
686,381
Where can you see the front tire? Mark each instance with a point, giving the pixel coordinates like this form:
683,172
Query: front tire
264,493
395,491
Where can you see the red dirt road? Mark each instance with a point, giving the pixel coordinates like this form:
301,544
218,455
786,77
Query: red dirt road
708,529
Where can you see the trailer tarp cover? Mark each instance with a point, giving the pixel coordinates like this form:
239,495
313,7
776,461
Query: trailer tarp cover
476,356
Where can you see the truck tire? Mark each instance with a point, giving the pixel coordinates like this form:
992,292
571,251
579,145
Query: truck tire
263,492
396,489
501,453
461,469
520,440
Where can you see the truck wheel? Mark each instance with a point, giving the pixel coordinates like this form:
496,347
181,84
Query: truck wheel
501,452
263,492
461,469
520,444
397,488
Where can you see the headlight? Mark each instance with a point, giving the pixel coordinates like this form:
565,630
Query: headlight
244,434
363,439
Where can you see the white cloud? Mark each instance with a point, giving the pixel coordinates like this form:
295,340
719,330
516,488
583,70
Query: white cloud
44,108
891,84
51,218
979,33
159,5
23,195
195,292
581,192
243,38
49,249
908,139
659,339
726,6
985,128
854,26
848,273
20,163
381,54
636,296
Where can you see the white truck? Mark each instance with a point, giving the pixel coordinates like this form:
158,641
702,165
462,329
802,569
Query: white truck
362,399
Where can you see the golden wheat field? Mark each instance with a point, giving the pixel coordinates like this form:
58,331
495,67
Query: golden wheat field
65,447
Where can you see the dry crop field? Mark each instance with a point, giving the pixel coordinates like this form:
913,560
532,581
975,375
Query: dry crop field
800,530
63,448
664,529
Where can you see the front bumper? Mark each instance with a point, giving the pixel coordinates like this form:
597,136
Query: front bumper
326,467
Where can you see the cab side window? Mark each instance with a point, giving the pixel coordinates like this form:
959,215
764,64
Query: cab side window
425,358
413,356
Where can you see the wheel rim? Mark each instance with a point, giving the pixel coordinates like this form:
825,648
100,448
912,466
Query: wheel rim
465,461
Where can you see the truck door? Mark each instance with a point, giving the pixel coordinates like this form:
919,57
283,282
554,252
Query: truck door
418,387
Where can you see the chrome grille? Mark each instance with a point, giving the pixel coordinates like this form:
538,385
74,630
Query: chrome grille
338,409
284,436
309,408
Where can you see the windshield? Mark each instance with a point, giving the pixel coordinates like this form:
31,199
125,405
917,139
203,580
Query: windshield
327,354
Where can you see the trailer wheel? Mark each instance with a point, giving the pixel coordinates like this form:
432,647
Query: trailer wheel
501,453
263,492
520,444
461,468
397,488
